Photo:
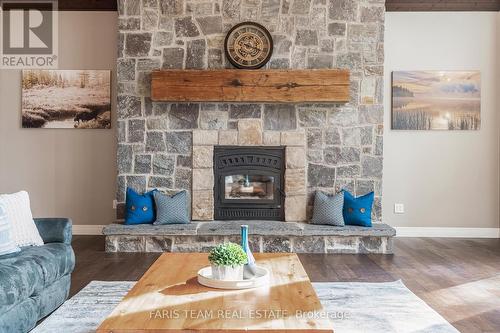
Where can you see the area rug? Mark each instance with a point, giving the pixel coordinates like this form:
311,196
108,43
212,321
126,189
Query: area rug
352,307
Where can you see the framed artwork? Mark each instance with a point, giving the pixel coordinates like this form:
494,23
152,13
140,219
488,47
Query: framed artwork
436,100
66,99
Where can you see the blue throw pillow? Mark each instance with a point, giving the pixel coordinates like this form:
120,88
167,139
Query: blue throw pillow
140,208
171,209
328,209
358,211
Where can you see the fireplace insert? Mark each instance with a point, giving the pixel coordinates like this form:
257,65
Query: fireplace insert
249,183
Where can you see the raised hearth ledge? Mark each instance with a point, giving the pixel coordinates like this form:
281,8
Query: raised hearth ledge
266,236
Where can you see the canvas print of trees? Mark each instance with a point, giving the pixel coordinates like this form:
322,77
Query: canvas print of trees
66,99
436,100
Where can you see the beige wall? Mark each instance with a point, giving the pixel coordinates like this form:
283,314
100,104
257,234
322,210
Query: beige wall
445,179
68,173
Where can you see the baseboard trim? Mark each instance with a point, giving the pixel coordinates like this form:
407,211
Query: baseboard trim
87,229
447,232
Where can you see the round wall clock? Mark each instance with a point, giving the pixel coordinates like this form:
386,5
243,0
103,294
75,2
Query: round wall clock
248,45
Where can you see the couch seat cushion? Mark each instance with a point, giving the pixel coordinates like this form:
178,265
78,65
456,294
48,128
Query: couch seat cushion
26,273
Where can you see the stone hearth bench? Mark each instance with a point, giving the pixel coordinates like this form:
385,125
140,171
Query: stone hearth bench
265,236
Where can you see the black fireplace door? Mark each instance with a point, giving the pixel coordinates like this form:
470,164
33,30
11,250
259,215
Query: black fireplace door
249,183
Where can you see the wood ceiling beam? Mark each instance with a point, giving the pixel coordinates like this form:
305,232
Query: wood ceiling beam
391,5
67,5
88,5
441,5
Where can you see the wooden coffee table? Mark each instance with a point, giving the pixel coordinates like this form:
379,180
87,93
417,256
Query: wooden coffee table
168,298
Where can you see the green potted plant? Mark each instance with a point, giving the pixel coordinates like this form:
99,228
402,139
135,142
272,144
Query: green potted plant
227,261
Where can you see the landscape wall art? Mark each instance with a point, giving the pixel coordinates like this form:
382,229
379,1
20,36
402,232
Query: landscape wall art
66,99
436,100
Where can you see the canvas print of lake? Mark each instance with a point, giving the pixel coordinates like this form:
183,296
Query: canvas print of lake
66,99
436,100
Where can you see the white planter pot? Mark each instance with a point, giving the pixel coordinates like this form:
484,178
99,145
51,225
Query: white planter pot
227,273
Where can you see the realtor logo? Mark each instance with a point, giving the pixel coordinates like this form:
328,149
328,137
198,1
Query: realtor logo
28,34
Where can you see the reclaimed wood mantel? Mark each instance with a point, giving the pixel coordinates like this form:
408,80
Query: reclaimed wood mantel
267,86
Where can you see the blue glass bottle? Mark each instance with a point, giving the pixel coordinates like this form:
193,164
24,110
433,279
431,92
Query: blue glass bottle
249,270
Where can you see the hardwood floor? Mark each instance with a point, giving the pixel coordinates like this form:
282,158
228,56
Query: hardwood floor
459,278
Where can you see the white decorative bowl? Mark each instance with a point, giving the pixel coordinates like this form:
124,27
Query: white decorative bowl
261,278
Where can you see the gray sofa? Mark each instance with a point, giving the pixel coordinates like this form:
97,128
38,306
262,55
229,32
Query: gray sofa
36,280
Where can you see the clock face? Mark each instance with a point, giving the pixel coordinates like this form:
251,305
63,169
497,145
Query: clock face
248,45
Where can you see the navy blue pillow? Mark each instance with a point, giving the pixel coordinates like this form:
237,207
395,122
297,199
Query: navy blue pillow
140,208
358,211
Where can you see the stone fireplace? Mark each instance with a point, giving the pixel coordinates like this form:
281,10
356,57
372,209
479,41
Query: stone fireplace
170,146
250,134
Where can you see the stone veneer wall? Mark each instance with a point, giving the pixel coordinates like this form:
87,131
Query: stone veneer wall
344,142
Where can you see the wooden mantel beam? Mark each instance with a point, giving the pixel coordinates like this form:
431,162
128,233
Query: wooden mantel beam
267,86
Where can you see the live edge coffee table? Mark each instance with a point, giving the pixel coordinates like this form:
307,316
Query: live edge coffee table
168,298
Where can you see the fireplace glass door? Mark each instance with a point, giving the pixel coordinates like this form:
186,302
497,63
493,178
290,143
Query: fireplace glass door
241,187
248,183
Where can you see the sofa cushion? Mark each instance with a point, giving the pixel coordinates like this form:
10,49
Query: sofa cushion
28,272
19,275
53,296
21,317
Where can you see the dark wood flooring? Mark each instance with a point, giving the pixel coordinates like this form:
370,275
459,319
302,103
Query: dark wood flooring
459,278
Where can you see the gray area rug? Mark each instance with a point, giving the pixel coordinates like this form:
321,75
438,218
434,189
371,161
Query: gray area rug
353,307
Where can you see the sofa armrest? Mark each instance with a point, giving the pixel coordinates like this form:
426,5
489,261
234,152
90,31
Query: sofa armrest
54,230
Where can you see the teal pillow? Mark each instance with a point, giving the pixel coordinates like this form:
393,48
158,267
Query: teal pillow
358,211
328,209
171,209
7,244
139,207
